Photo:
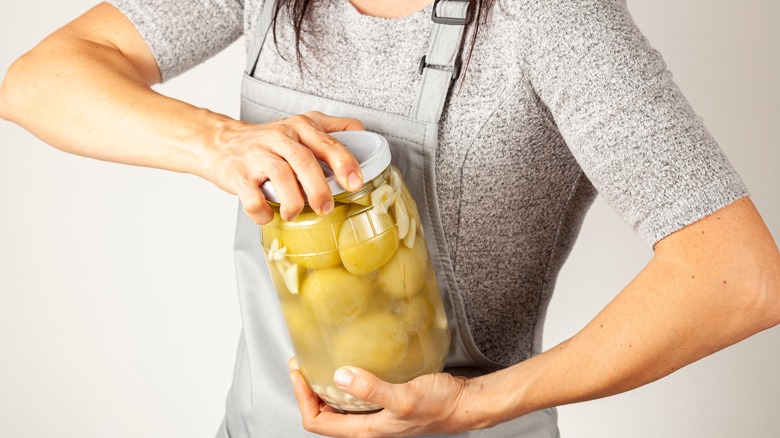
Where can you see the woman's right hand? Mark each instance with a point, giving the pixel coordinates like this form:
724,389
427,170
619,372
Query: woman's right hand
105,108
286,153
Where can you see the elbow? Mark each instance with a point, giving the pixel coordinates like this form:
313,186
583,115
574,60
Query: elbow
5,113
9,88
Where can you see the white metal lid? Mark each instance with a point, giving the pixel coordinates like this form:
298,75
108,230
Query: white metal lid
370,149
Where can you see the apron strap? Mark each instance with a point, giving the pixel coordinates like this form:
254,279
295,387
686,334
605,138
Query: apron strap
440,67
262,25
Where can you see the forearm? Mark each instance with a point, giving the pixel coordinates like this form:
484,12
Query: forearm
86,98
86,89
683,306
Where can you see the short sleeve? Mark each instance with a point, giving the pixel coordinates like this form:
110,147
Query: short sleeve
625,120
183,33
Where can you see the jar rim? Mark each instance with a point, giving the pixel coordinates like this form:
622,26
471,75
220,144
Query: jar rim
371,150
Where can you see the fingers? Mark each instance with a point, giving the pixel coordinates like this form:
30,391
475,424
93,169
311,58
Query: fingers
299,165
308,402
333,124
369,387
286,152
254,204
313,133
303,140
323,419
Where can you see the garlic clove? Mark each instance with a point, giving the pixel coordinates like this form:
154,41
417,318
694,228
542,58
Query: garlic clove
412,234
401,217
382,198
275,252
292,278
395,179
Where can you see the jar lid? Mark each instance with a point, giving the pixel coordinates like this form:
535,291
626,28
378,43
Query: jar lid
370,149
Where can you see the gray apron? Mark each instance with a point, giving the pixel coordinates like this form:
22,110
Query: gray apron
261,402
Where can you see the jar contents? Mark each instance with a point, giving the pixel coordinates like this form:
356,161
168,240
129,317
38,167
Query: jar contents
357,288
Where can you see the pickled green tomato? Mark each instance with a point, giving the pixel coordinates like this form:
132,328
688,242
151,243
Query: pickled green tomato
404,275
311,240
431,290
270,231
376,342
416,313
424,356
413,365
367,240
303,327
334,295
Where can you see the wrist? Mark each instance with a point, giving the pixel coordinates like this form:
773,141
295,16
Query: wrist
214,135
488,401
502,395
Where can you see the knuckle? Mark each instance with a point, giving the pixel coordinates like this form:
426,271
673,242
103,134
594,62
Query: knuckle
278,168
329,143
301,157
366,388
300,119
253,205
264,219
275,163
279,131
292,207
318,194
259,213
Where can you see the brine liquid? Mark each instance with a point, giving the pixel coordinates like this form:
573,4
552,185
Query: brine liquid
357,288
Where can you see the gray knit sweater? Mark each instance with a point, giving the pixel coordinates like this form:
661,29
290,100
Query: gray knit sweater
562,98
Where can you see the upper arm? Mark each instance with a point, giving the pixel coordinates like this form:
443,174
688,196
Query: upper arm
624,119
161,38
729,250
106,25
183,33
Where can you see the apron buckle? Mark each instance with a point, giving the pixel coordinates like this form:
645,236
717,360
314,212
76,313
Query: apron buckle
455,67
438,19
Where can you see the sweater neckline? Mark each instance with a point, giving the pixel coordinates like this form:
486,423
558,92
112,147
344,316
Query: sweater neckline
414,20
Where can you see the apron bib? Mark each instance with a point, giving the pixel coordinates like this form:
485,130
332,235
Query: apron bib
261,402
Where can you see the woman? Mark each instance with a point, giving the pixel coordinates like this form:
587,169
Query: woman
550,101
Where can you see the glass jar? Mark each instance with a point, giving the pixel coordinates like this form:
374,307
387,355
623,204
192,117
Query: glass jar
356,286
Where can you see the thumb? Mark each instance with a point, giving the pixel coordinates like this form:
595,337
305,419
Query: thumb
330,123
366,386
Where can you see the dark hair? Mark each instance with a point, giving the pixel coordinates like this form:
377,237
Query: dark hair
479,11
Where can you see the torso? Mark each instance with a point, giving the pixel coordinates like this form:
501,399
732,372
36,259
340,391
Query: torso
508,187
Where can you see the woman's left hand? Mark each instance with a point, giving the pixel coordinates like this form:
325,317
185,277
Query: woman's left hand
433,403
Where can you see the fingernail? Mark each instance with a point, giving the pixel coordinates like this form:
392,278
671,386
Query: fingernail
327,207
354,181
343,377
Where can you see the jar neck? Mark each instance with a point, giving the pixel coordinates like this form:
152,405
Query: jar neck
368,187
348,197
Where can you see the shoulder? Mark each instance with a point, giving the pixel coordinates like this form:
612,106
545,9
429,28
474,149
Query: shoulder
552,17
181,33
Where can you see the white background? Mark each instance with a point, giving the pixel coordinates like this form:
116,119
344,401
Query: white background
118,311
